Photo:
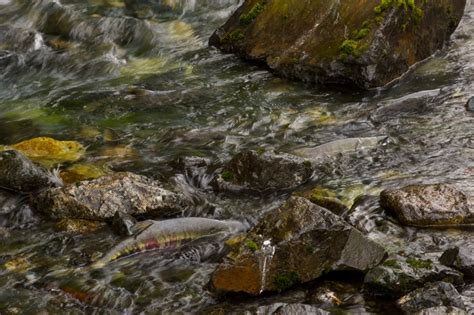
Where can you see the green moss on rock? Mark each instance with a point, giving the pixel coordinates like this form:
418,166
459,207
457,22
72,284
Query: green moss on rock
285,281
246,19
420,263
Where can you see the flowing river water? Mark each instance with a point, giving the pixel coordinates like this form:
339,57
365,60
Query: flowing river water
136,82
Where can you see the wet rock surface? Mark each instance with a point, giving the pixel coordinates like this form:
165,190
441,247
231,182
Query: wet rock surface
264,171
399,275
79,226
367,44
123,223
429,205
295,243
101,198
461,259
470,104
288,309
431,295
18,173
442,310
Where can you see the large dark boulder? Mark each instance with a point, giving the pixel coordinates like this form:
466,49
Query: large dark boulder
400,275
295,243
431,295
364,43
20,174
429,205
264,171
101,198
460,258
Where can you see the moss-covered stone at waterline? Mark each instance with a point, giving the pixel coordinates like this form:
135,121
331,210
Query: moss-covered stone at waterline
233,37
285,281
408,5
227,175
420,263
252,245
246,19
392,263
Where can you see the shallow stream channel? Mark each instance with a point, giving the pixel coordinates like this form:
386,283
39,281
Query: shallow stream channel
136,83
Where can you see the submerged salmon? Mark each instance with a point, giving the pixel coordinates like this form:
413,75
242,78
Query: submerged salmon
165,234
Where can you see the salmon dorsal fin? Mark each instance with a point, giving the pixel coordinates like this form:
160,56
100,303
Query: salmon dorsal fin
141,226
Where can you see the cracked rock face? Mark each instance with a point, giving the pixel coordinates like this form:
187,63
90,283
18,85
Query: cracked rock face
429,205
101,198
295,243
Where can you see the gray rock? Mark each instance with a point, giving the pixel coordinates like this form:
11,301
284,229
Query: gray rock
295,243
459,258
470,104
431,295
290,309
123,223
429,205
442,310
20,174
101,198
265,171
400,275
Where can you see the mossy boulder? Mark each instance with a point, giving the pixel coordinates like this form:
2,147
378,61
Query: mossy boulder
399,275
366,43
429,205
101,198
293,244
263,171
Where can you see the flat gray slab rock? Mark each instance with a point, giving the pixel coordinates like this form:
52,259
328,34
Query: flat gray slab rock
101,198
429,205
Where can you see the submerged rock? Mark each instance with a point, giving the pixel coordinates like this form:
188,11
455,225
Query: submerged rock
295,243
101,198
19,174
364,43
289,309
79,226
49,151
400,275
429,205
264,171
81,172
431,295
460,258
